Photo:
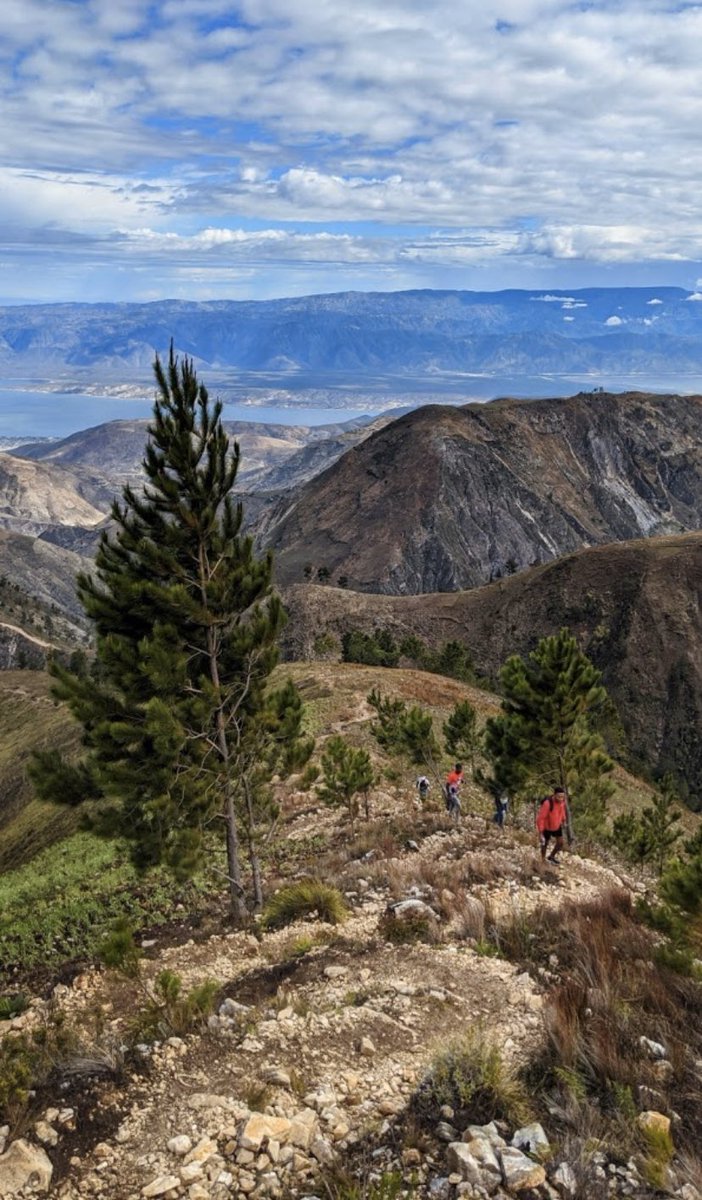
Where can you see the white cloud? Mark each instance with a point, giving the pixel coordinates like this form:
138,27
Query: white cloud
614,321
654,301
509,125
694,296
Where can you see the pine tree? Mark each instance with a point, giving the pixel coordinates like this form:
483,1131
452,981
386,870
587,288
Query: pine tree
651,836
348,773
402,730
187,625
461,734
546,733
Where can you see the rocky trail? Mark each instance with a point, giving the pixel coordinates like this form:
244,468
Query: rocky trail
321,1034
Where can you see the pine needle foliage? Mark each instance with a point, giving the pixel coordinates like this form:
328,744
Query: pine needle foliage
187,626
347,775
546,733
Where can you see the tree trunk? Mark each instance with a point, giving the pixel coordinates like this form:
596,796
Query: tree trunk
237,903
254,860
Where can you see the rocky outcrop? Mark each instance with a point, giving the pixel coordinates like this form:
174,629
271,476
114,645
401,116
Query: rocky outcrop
448,498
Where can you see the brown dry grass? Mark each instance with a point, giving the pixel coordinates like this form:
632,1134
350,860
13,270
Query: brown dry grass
608,996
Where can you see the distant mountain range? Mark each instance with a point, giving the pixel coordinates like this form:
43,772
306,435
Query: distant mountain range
649,331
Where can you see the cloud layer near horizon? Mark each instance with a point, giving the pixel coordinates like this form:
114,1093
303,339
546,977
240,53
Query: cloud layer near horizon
198,147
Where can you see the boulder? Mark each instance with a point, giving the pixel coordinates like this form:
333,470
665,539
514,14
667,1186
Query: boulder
463,1163
532,1140
24,1166
520,1173
564,1179
260,1128
488,1163
654,1050
180,1145
654,1121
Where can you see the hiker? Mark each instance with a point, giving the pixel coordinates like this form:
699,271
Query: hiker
501,806
552,822
422,785
454,779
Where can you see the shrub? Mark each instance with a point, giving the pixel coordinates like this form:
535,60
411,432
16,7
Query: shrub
13,1006
377,649
471,1076
402,931
27,1060
168,1012
309,776
119,950
307,898
659,1151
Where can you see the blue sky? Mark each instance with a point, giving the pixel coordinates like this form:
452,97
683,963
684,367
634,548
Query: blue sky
204,149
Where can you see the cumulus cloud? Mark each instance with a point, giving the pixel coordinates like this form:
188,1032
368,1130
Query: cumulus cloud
507,126
614,320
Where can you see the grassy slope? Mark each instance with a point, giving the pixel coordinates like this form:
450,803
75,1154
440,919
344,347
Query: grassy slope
29,720
59,905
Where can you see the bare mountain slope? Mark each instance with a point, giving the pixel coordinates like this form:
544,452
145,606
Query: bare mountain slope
115,449
636,608
448,498
36,495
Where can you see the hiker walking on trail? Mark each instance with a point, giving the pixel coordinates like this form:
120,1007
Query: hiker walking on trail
552,822
454,779
422,785
501,806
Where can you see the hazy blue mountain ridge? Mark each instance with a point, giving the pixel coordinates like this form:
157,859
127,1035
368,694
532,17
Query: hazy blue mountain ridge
627,329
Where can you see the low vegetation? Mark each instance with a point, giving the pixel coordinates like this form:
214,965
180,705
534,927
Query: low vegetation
470,1076
60,906
309,898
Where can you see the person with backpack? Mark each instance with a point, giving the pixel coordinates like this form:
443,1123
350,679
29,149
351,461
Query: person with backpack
552,822
501,806
422,785
452,791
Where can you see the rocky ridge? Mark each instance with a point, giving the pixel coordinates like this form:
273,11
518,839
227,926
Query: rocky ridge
309,1055
450,498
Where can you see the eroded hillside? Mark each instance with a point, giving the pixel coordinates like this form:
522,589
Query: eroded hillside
445,498
636,608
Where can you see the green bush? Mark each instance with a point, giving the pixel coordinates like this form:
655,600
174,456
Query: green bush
27,1060
377,649
168,1012
471,1077
307,898
13,1006
63,904
119,950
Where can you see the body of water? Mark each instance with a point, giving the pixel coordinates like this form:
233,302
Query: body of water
31,415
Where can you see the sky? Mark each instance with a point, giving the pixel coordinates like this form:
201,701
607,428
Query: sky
203,149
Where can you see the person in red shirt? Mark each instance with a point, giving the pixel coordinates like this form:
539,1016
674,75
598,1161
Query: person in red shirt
454,779
552,823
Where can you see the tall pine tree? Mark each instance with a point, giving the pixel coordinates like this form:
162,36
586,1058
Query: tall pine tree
187,626
546,733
